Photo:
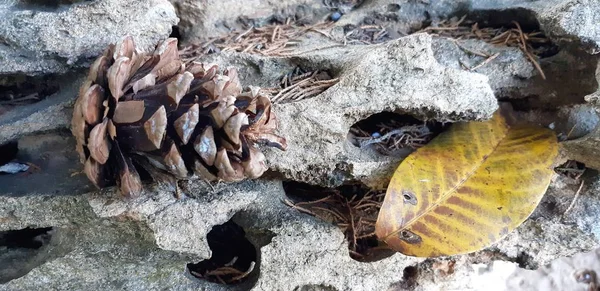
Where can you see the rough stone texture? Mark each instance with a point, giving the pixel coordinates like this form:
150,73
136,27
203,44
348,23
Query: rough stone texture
180,225
101,241
549,232
399,76
566,21
43,39
560,275
202,19
507,73
576,19
87,249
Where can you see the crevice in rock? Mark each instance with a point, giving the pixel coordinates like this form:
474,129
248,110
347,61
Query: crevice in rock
22,90
29,238
565,74
8,152
301,14
393,134
410,276
504,19
175,32
568,122
53,166
234,259
48,5
314,287
574,170
22,250
525,261
352,207
302,83
443,268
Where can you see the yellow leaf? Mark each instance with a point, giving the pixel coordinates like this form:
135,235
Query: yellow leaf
467,188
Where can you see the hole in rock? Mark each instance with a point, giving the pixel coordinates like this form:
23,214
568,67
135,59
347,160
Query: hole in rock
410,275
8,152
575,170
300,84
234,258
375,28
19,90
353,208
44,163
393,134
526,261
28,238
509,27
22,250
175,32
523,104
48,5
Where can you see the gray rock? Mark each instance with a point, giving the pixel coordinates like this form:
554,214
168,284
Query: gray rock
562,274
119,251
506,73
399,76
200,20
565,21
44,38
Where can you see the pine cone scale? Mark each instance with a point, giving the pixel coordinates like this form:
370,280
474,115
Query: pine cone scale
129,111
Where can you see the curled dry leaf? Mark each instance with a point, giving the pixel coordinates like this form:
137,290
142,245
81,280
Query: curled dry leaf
149,111
467,188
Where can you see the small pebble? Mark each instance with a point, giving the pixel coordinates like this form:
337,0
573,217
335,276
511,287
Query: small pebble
335,16
13,168
551,125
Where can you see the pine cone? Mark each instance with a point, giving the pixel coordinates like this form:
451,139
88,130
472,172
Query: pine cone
154,113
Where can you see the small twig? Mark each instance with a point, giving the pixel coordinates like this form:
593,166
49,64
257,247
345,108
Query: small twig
574,199
244,274
387,136
485,62
310,50
304,210
470,51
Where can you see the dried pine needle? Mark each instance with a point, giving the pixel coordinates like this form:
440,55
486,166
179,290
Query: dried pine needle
297,86
355,216
514,37
393,136
270,40
225,274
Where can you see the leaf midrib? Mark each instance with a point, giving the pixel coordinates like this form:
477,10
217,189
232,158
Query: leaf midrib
445,197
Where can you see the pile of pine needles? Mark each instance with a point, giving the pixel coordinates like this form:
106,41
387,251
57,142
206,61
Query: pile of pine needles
12,100
392,136
530,43
298,85
366,34
269,40
353,208
571,169
226,274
